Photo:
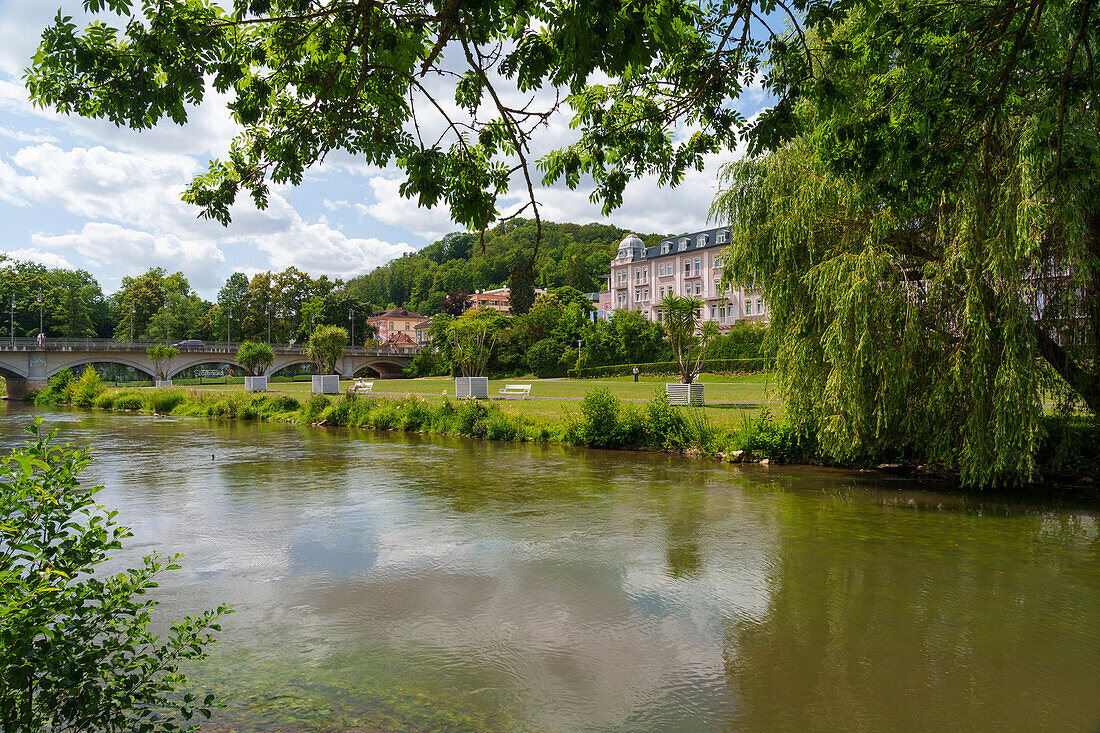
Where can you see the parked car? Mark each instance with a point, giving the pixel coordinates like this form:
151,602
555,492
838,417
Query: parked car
189,344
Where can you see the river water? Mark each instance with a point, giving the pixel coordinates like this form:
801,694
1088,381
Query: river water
405,582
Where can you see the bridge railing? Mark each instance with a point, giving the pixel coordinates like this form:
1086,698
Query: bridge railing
91,344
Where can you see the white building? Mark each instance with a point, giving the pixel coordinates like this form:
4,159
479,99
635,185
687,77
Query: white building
690,264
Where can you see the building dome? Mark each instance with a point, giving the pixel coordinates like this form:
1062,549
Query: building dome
631,241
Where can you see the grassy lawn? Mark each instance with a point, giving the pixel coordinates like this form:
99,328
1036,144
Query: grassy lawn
554,401
737,389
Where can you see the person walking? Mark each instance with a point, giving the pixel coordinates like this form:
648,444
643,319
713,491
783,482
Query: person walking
635,370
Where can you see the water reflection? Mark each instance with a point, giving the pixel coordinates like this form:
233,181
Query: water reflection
420,583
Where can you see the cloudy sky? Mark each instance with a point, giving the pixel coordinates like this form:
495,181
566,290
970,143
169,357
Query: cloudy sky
83,193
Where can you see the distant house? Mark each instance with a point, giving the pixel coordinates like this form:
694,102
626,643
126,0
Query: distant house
396,321
399,339
499,299
422,337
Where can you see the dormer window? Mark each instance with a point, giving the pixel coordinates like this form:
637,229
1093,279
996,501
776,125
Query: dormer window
721,236
701,240
683,244
665,246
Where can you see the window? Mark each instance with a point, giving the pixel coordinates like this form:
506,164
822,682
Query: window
698,287
637,296
665,246
391,325
713,312
637,275
759,307
683,244
687,268
717,261
645,294
721,239
748,307
701,240
696,266
661,269
717,287
645,275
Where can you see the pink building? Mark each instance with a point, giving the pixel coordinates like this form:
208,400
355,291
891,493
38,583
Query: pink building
690,264
499,299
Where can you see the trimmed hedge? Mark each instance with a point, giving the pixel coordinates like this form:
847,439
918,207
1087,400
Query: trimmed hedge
669,368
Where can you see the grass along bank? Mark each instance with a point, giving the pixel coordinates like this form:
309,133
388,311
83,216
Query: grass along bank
599,419
608,415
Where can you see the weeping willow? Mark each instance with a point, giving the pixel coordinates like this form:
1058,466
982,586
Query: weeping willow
932,268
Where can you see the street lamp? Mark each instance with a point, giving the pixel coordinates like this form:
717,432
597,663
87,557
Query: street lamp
41,330
228,327
351,318
133,310
267,310
12,327
167,321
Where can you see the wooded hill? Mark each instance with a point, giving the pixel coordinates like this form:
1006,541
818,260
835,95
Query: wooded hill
574,255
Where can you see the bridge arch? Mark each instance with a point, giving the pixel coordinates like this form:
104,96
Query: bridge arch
384,368
200,359
7,371
102,359
280,365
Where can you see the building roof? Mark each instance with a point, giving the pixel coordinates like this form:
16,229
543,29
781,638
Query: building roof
632,249
400,339
397,313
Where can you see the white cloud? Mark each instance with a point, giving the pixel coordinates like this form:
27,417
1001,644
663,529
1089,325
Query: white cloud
320,249
132,251
390,207
27,137
49,259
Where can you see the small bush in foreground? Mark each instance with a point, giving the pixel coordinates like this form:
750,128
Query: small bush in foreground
76,652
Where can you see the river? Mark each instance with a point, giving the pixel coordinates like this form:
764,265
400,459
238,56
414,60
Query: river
407,582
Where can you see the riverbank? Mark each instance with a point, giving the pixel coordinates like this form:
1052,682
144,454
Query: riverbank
748,433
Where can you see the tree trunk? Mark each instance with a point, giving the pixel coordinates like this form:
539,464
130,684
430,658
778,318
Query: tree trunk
1078,378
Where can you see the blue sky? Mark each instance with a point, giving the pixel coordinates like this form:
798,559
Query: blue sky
83,193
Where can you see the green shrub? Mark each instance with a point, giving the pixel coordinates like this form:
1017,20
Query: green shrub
284,403
632,427
129,401
696,430
416,413
599,422
249,412
105,401
775,440
385,416
85,390
163,401
469,416
313,409
501,427
58,389
663,422
225,407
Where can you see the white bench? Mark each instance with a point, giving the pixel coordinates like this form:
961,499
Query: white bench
518,391
361,387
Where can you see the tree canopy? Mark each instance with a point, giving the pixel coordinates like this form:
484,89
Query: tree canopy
928,241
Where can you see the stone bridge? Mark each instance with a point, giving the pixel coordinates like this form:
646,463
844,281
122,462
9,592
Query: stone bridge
26,366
